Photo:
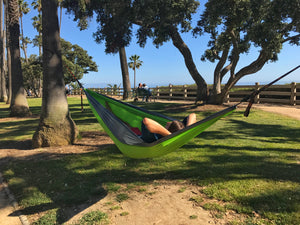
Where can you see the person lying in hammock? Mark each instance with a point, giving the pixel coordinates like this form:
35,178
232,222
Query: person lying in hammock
152,130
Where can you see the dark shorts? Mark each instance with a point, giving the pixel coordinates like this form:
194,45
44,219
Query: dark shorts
149,137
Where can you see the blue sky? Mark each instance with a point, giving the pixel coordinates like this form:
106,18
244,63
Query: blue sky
164,65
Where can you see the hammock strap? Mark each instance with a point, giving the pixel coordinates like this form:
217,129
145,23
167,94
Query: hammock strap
251,97
80,85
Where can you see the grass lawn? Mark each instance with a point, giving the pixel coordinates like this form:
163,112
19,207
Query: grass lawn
251,165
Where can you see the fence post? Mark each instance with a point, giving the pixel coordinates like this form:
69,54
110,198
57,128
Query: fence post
185,91
157,92
227,98
256,99
293,93
170,91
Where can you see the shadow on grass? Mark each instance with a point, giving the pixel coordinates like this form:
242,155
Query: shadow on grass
242,130
254,131
17,128
69,181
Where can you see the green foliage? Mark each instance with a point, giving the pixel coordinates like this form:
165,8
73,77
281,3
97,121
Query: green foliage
158,19
240,24
135,62
76,62
32,72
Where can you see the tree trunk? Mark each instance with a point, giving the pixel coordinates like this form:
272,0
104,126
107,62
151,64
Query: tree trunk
202,89
8,58
3,93
252,68
125,73
23,42
19,106
39,82
56,126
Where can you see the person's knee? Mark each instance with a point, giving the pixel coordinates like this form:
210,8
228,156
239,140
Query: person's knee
147,122
193,115
191,119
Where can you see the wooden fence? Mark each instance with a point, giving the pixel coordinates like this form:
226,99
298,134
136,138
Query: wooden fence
277,94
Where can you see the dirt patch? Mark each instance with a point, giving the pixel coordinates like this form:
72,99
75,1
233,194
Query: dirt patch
89,141
168,203
290,111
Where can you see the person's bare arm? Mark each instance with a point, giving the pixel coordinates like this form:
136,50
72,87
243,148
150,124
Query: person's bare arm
155,127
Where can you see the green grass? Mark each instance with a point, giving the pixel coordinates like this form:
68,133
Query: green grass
248,164
94,218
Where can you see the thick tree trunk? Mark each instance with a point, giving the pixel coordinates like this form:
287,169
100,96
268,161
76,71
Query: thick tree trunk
3,93
202,89
8,64
19,106
56,126
125,73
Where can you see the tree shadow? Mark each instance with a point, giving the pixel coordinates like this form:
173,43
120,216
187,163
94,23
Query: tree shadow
81,177
253,130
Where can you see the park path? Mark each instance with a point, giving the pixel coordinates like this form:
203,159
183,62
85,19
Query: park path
290,111
8,206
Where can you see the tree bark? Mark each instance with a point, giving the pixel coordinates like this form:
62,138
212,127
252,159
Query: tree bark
254,67
8,63
202,89
3,92
56,126
19,106
125,73
23,42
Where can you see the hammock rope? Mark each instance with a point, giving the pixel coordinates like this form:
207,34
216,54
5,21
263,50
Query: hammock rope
252,96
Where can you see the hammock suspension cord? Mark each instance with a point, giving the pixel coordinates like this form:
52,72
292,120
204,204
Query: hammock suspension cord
251,97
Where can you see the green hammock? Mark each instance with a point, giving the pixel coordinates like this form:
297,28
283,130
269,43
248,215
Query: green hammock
118,118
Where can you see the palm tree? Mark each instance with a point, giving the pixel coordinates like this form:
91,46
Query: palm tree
19,106
23,10
3,93
37,23
37,41
135,64
56,126
60,12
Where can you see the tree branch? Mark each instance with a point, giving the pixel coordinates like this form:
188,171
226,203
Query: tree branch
235,51
254,66
225,70
290,38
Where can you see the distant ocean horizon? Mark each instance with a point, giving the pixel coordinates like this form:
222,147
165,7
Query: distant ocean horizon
104,85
